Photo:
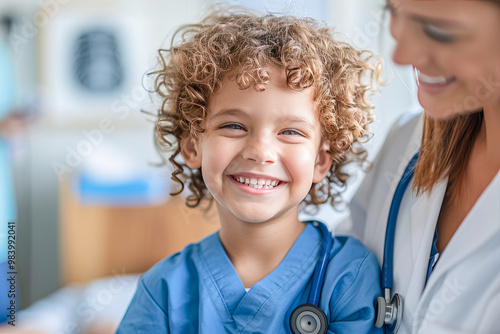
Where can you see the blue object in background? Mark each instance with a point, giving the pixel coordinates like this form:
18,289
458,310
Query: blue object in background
139,189
7,82
7,198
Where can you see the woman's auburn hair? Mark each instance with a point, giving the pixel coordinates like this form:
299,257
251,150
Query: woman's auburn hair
243,47
445,151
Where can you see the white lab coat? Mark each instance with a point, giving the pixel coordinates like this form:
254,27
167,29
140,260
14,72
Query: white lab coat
463,292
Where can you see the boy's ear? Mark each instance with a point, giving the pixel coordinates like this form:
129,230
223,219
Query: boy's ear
324,162
191,153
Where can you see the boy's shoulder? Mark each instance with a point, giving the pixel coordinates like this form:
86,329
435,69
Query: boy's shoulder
181,265
347,251
350,244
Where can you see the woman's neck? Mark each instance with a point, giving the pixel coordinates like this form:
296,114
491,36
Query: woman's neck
490,135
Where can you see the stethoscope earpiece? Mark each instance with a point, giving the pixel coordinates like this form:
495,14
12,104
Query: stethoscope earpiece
308,319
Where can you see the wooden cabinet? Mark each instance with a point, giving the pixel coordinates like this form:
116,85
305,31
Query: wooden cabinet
99,241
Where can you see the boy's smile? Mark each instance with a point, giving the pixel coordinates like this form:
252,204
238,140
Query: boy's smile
257,184
261,151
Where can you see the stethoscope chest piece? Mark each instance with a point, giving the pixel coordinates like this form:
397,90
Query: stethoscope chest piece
389,313
308,319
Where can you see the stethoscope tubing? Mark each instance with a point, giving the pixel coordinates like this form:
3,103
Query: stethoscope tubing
387,266
321,265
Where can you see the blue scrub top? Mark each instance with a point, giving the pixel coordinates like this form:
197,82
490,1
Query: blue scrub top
199,291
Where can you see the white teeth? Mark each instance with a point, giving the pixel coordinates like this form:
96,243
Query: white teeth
432,80
257,183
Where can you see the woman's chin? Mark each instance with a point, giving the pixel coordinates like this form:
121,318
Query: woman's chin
442,114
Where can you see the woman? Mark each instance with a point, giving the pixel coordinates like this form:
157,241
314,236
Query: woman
448,225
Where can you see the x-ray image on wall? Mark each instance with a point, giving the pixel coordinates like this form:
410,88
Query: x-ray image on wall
97,62
89,62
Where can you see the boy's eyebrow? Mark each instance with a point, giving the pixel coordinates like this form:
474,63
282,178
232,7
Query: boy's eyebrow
229,111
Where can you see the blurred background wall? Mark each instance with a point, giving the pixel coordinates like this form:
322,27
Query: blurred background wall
79,68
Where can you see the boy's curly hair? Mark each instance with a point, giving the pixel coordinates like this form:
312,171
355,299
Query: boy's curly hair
243,46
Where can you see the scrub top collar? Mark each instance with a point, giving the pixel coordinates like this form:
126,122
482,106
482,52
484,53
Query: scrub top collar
221,277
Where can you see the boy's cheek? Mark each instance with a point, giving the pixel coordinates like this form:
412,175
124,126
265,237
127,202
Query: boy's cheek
300,163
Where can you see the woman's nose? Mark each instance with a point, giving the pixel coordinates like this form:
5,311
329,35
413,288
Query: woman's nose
260,149
410,48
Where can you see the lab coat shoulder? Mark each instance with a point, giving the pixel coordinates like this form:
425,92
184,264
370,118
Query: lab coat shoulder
400,144
352,284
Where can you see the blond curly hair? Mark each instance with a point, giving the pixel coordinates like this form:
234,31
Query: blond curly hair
243,47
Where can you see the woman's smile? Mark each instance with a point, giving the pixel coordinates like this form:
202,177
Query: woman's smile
434,85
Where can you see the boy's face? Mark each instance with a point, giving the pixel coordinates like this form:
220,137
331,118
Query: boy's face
261,151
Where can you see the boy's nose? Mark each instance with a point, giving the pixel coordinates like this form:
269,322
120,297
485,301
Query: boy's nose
260,149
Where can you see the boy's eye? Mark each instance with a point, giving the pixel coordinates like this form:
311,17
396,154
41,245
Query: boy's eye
233,126
437,34
292,132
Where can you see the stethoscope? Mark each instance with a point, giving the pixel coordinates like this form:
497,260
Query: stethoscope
389,311
309,318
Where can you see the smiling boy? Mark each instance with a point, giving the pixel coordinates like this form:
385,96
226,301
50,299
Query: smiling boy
266,112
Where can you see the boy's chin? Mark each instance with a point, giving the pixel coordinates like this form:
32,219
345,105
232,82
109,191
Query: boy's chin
255,219
258,217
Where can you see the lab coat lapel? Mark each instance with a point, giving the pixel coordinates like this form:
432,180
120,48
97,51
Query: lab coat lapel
481,224
424,215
